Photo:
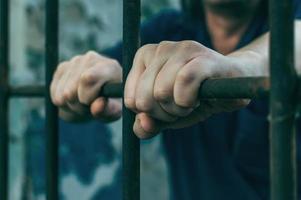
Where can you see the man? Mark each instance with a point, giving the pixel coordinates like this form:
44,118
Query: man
222,157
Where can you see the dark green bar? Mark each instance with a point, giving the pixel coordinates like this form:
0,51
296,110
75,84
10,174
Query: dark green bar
283,100
226,88
131,144
4,62
27,91
52,18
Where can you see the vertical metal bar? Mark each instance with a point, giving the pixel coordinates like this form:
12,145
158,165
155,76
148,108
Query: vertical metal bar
52,18
282,101
131,145
4,62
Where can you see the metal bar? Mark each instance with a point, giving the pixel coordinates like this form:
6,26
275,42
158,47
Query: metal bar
231,88
52,20
27,91
131,144
227,88
224,88
283,101
4,66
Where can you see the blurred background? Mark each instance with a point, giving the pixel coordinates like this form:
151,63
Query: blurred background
90,162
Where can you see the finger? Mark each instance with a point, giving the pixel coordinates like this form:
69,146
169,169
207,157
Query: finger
187,83
145,101
55,82
146,127
201,113
72,80
164,84
64,93
106,109
94,78
142,58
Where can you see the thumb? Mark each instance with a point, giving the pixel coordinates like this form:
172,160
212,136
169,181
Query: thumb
105,109
146,127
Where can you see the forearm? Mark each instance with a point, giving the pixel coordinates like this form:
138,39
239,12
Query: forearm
258,51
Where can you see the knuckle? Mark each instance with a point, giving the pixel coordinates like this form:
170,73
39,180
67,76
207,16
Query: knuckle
91,55
130,103
144,105
88,78
58,100
76,59
163,94
189,45
165,43
186,77
113,65
60,68
69,94
141,51
163,46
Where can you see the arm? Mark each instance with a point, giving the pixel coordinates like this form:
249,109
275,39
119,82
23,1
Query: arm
261,47
167,76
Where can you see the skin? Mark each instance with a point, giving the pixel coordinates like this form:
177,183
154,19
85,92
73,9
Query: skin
163,83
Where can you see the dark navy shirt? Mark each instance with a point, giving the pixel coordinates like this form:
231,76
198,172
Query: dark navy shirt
225,157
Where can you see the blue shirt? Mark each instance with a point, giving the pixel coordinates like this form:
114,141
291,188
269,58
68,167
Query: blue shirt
225,157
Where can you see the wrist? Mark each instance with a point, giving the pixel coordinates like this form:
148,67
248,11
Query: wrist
248,63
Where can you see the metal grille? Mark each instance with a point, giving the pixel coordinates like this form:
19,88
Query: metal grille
282,95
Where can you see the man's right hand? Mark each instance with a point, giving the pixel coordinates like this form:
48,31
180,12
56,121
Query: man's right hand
77,83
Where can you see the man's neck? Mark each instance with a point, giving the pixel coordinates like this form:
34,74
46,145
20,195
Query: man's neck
226,28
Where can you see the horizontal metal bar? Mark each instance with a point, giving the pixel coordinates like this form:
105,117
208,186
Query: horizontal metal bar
251,87
27,91
228,88
231,88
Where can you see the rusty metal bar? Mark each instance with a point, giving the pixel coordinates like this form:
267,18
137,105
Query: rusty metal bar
52,20
131,144
231,88
283,100
4,66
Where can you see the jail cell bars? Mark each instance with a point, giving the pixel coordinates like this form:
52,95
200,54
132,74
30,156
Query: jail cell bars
4,38
282,101
52,143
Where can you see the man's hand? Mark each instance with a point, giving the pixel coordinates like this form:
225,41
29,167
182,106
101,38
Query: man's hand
162,87
76,85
